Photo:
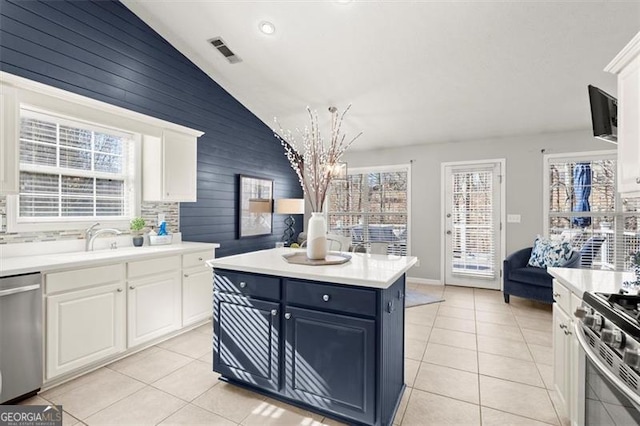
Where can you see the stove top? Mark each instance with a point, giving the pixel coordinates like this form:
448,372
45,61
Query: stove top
621,309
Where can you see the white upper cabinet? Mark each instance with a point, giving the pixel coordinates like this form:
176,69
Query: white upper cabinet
8,140
627,67
169,167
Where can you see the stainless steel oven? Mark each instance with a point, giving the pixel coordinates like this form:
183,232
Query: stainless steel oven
611,380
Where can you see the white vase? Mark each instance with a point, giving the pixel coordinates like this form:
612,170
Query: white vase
317,237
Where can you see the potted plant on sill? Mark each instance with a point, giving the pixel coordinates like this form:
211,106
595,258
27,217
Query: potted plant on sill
136,226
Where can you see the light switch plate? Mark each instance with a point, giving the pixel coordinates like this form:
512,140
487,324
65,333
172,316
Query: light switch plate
513,218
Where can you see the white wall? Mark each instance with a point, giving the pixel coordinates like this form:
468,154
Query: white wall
524,166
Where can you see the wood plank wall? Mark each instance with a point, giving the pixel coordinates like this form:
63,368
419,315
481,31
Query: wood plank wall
102,50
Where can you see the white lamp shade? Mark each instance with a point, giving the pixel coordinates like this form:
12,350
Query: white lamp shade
290,206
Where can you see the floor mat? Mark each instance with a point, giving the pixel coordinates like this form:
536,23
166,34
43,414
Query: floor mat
415,298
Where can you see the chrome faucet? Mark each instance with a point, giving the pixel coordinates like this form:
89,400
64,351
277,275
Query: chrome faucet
90,235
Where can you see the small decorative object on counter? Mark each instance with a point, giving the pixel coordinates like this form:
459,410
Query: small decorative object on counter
162,237
136,226
316,164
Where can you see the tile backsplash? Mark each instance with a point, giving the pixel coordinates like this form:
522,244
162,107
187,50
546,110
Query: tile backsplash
148,210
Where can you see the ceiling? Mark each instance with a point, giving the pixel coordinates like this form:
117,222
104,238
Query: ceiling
414,72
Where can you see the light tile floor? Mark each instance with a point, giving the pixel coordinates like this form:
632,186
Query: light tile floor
470,360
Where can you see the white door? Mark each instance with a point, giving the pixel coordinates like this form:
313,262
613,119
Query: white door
153,307
472,224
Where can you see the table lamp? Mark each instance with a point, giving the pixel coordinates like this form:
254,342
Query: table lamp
289,206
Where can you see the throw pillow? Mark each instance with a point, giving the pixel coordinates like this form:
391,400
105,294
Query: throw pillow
547,253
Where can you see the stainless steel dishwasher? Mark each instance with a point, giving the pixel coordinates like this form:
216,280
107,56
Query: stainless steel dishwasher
20,336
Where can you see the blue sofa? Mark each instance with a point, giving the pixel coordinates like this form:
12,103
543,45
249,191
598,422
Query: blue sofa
530,282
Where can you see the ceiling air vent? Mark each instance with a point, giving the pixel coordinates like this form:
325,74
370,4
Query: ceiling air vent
219,44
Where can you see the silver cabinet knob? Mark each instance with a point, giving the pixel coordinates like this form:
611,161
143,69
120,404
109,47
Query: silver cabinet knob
638,180
287,315
119,290
131,287
200,259
243,284
186,275
448,232
326,297
274,312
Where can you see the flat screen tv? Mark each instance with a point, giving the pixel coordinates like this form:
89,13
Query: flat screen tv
604,115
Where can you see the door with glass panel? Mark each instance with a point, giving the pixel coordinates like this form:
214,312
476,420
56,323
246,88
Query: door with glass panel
472,224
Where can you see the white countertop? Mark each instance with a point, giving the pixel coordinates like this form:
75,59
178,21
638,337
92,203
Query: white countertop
591,280
364,270
58,261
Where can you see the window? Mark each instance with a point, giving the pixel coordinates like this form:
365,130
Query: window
73,171
584,206
372,208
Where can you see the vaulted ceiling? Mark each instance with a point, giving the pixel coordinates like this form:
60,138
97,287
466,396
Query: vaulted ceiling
414,72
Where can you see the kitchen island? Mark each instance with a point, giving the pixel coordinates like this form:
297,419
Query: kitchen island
326,338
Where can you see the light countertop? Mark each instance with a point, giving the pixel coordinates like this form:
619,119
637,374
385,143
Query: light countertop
364,270
581,280
58,261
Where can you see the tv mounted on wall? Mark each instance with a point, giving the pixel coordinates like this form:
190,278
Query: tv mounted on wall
604,115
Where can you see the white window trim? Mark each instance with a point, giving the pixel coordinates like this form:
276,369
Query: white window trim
570,156
39,96
383,169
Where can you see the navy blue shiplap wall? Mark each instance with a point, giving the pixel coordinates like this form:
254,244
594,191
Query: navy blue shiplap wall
102,50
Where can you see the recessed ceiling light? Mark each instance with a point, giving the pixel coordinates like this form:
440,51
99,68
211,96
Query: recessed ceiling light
267,27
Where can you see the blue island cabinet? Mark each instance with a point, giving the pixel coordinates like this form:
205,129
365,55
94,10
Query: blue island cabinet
332,348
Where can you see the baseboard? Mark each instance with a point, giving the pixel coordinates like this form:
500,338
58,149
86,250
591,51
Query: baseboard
423,281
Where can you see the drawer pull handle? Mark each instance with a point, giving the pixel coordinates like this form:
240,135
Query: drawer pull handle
326,297
200,259
555,294
119,290
563,325
567,332
274,312
243,284
287,315
131,287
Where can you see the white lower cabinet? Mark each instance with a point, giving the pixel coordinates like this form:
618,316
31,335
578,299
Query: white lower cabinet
92,314
197,288
568,368
153,307
85,325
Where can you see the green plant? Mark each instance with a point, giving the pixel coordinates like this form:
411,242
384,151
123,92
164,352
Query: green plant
136,225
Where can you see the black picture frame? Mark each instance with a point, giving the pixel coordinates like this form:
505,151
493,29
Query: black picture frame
255,206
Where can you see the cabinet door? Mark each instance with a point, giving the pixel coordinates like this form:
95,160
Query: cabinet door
561,353
84,326
197,295
153,307
330,362
629,128
179,166
245,340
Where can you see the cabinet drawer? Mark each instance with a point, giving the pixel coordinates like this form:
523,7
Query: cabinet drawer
562,296
152,266
247,284
196,259
331,297
82,278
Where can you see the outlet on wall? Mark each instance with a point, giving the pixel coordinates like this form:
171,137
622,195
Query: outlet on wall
513,218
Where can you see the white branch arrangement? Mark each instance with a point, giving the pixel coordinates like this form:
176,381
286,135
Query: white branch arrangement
315,162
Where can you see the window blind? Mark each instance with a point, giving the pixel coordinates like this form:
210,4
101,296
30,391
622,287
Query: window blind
72,169
586,209
371,208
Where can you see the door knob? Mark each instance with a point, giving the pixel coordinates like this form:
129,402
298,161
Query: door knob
448,232
448,214
131,287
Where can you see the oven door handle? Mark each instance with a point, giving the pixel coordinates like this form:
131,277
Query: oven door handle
619,384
